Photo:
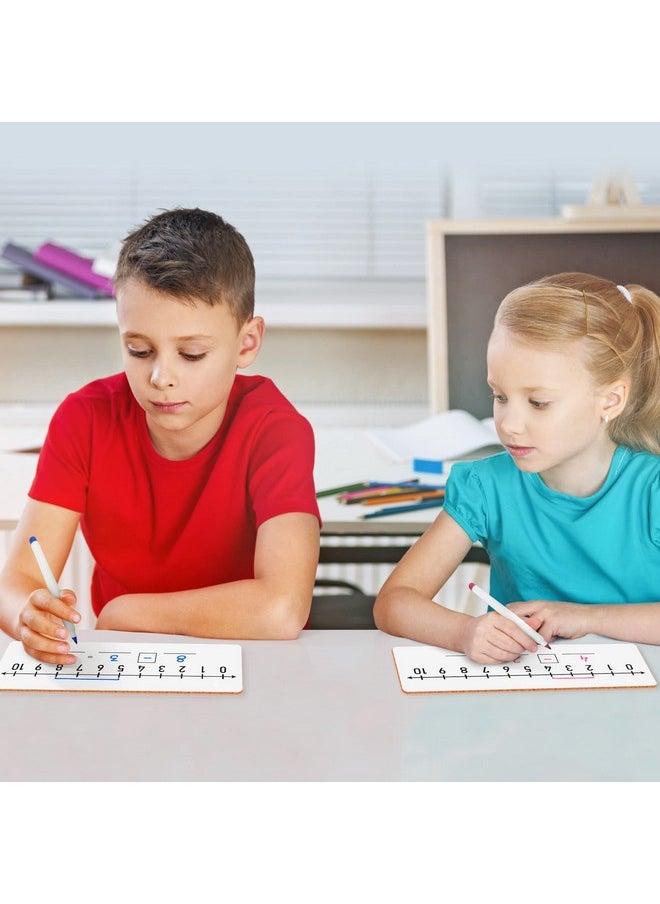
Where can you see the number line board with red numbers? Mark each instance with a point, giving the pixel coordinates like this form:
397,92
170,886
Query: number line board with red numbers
183,668
431,670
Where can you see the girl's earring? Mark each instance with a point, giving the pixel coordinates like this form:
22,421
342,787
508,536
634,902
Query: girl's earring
606,418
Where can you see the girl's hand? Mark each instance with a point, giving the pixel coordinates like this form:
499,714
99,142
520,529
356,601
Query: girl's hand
492,638
556,619
40,627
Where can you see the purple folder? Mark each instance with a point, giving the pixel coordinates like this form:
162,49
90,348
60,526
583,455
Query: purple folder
26,261
73,265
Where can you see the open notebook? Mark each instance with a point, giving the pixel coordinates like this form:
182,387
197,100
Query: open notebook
448,435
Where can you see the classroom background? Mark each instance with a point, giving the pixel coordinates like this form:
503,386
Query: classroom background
335,214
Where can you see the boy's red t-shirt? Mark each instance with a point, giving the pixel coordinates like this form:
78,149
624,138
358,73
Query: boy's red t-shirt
154,525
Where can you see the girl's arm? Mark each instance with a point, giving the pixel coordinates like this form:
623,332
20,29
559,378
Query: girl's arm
404,607
273,605
632,622
27,610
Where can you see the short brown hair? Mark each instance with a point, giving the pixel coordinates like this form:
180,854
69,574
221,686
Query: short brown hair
191,254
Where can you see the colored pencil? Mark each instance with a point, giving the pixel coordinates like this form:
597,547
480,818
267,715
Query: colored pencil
334,491
397,509
404,497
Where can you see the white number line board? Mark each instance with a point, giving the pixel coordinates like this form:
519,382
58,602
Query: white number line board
431,670
134,667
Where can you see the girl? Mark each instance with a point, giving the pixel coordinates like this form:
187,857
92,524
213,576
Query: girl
570,512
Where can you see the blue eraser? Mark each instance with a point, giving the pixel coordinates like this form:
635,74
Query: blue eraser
428,465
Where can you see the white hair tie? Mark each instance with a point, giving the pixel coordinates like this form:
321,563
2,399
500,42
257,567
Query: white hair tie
626,294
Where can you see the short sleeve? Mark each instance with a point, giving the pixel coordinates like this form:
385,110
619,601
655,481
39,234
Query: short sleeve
465,501
654,511
62,472
281,473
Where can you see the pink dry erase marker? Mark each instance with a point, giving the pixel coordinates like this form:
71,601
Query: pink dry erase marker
507,613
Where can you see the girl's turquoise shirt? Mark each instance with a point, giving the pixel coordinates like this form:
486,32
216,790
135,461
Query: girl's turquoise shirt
543,544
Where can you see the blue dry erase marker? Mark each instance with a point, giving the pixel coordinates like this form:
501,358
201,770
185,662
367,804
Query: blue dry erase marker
51,583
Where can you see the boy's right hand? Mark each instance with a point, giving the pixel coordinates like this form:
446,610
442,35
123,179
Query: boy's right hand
41,629
491,638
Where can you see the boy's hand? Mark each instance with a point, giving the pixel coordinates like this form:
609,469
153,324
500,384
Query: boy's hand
556,619
492,638
40,626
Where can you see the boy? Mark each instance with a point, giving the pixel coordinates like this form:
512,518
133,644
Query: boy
192,485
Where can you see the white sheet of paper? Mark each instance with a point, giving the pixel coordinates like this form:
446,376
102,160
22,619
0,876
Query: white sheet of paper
183,668
450,434
431,670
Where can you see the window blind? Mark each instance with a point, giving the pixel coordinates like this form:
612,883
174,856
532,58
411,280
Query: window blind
327,225
530,193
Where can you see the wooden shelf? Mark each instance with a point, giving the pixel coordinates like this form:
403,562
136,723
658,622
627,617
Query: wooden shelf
377,305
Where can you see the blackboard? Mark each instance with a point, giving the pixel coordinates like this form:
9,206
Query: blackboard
480,269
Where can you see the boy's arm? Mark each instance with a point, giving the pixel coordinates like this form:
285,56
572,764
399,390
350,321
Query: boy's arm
27,610
273,605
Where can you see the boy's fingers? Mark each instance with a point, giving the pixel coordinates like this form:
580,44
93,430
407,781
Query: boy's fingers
44,623
39,625
69,597
40,647
51,658
62,608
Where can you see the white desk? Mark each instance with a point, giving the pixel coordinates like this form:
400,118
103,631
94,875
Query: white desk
346,456
328,707
16,473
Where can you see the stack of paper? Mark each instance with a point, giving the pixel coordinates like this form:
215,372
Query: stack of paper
445,436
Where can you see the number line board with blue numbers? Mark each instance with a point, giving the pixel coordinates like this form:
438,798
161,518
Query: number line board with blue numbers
431,670
132,667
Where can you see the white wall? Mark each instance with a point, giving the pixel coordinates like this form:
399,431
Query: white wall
291,147
323,203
